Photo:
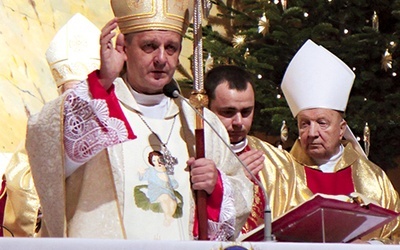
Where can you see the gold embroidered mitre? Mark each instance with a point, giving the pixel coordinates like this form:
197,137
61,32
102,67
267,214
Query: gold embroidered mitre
74,51
141,15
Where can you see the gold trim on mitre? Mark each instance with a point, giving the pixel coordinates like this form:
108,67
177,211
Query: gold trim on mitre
141,15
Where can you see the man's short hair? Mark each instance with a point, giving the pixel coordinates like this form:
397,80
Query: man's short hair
235,76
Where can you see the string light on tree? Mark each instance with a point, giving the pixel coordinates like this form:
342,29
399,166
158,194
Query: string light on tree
207,4
209,63
246,54
284,4
263,25
284,132
278,96
386,62
375,21
367,137
238,40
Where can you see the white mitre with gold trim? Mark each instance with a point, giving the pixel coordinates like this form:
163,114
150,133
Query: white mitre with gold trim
316,78
74,51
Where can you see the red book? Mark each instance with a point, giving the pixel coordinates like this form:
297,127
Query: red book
327,218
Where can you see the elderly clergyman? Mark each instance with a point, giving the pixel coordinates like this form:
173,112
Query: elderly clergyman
316,86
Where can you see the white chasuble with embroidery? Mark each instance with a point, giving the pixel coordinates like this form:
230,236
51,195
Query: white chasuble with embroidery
155,198
141,197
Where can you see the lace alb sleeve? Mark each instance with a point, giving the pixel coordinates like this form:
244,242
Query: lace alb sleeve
88,127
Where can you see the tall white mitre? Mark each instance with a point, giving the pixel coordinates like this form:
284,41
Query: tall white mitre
316,78
74,51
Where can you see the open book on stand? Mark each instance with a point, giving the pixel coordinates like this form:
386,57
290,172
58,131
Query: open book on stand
326,218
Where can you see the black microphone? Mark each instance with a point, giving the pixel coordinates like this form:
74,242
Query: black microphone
171,90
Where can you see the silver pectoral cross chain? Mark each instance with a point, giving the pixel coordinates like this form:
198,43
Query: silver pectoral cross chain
168,160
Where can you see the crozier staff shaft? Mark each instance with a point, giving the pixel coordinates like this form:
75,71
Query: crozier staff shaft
199,100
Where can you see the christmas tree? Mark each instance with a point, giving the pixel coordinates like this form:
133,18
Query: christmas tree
263,36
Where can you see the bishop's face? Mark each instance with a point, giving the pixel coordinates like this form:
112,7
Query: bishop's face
152,57
235,109
320,131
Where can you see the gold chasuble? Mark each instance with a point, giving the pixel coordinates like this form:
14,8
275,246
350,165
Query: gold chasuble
22,204
276,176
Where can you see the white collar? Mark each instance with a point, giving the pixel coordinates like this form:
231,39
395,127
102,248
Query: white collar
154,106
239,147
329,166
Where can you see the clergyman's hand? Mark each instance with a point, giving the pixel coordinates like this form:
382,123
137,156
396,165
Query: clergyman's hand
203,174
112,58
254,160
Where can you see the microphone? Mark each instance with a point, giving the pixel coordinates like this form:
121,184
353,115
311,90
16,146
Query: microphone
171,90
